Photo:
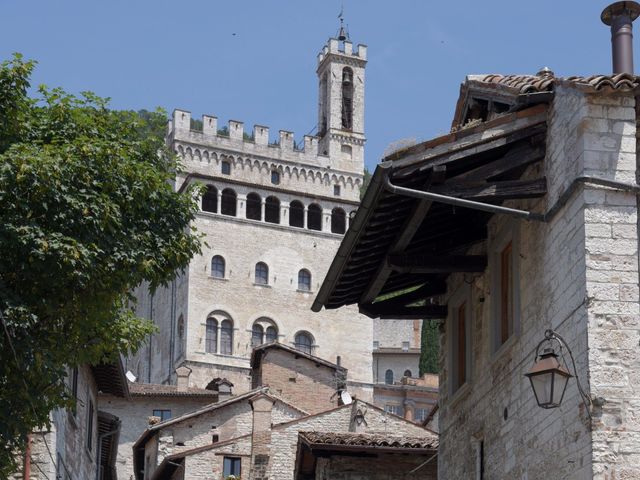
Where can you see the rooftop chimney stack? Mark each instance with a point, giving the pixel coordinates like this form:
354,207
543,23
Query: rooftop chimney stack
620,16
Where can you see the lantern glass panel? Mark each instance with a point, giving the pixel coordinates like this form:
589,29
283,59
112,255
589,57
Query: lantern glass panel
542,384
560,384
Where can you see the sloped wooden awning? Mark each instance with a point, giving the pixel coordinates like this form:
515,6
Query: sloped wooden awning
399,250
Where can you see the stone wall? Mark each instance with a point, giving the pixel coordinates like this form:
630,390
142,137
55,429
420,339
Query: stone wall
63,451
575,277
134,414
302,382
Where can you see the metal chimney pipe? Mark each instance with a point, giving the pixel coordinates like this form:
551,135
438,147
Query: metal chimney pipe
620,16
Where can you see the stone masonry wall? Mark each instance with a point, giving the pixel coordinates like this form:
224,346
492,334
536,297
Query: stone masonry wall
496,406
383,467
134,415
303,383
611,250
284,438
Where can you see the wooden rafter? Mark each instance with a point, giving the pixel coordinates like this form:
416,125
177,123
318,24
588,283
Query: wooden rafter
498,191
437,263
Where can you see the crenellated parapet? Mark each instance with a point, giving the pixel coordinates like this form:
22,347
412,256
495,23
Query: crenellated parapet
344,50
256,142
250,157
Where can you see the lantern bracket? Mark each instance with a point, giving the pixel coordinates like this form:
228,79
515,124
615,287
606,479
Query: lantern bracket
551,336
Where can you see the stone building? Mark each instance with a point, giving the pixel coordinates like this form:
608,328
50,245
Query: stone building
158,402
273,214
524,218
81,442
257,434
398,387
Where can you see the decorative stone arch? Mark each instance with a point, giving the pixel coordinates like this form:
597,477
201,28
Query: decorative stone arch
264,330
180,151
334,178
318,176
205,155
197,155
214,158
295,172
255,166
188,153
253,206
272,209
350,181
341,179
264,168
303,174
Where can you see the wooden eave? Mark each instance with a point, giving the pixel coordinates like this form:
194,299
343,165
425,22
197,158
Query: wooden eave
395,257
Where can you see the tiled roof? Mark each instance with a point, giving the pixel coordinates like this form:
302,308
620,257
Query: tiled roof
155,390
545,81
372,440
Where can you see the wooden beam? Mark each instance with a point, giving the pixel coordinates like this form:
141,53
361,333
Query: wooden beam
517,157
504,190
405,235
404,313
438,264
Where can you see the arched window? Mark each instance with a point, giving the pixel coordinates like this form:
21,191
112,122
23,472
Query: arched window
407,373
210,199
272,210
262,274
211,336
257,333
296,214
304,342
338,220
228,202
226,337
272,334
304,280
254,207
388,377
314,217
217,267
347,98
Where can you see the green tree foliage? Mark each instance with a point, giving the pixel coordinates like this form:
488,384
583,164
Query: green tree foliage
87,212
430,347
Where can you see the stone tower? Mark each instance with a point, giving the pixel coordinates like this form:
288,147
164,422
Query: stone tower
273,213
341,103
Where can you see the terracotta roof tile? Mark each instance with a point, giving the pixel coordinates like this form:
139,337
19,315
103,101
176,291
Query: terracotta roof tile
545,81
155,390
430,440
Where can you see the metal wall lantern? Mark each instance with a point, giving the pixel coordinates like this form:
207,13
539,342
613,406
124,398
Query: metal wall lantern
549,378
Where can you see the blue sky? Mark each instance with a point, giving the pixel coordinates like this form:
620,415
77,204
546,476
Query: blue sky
184,54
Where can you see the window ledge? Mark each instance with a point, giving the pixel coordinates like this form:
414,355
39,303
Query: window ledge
263,285
304,291
505,347
219,279
461,393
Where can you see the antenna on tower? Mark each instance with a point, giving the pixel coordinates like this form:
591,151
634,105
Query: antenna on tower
343,34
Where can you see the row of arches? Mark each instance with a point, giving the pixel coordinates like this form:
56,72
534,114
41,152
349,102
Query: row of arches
296,173
219,334
388,376
261,273
225,202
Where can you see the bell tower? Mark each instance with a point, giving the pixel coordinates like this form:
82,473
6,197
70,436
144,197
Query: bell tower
341,103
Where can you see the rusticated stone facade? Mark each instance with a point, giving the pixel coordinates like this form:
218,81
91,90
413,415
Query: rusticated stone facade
576,274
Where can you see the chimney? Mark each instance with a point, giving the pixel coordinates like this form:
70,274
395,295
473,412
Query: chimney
620,16
262,406
183,378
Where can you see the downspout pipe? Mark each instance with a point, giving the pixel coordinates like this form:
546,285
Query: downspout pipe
487,207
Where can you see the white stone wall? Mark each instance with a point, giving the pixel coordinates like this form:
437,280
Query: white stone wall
134,414
397,363
576,278
285,253
392,333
